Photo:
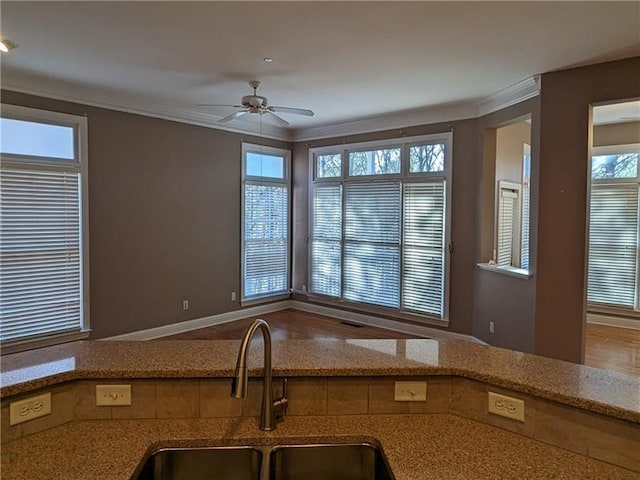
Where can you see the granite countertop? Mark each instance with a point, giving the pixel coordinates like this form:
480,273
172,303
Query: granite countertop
613,394
417,447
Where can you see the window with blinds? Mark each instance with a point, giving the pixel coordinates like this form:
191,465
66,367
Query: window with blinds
613,231
508,225
265,246
379,229
526,207
43,286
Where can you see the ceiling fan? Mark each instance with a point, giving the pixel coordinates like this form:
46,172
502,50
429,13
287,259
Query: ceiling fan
252,104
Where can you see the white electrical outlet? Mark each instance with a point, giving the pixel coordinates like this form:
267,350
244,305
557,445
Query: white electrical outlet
491,327
233,296
410,392
29,408
506,406
185,304
113,395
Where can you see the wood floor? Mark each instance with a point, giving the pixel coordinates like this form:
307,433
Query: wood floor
610,348
613,348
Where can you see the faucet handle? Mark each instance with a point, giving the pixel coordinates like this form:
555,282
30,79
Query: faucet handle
284,388
280,405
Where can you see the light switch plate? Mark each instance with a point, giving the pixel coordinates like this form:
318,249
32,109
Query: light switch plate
410,392
113,395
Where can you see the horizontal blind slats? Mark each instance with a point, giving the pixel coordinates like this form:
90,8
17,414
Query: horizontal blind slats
40,240
613,240
266,239
326,241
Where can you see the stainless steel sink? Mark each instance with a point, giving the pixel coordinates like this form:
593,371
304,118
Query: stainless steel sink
361,461
210,463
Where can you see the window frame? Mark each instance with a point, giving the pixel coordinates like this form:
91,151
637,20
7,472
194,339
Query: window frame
79,164
404,177
257,180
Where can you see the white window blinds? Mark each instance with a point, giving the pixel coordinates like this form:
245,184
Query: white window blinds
265,222
326,243
266,256
372,243
40,244
424,248
507,226
613,244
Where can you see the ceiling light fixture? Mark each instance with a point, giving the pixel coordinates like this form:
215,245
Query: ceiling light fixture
7,45
267,59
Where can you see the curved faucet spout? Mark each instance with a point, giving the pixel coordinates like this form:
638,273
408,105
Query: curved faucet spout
240,383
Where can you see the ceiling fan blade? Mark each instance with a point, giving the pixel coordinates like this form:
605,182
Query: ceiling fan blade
281,121
297,111
216,105
233,116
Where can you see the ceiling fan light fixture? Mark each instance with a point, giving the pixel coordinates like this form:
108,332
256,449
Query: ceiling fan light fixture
7,45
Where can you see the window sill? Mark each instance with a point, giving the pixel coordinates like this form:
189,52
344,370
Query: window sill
510,271
261,300
32,344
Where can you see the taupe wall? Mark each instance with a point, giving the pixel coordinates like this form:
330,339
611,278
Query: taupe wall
463,228
510,151
505,300
616,134
564,165
164,217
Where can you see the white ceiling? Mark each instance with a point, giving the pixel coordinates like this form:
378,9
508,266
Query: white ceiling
344,60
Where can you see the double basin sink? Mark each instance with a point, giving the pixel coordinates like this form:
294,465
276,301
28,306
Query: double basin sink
352,461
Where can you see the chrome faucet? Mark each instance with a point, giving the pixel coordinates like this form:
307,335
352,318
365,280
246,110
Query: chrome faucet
272,410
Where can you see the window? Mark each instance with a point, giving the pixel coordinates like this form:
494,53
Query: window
43,228
613,228
379,227
265,224
508,224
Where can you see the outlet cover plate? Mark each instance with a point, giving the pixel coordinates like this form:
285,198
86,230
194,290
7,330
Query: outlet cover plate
505,406
29,408
410,392
113,395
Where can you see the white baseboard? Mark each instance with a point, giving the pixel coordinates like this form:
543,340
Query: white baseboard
387,324
195,324
597,319
358,318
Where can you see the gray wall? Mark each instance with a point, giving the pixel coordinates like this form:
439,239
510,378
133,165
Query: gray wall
562,208
164,217
505,300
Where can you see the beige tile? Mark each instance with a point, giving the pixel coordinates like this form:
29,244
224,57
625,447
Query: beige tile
613,441
307,396
438,391
143,400
381,393
347,396
252,404
560,426
216,399
85,408
468,399
62,405
8,432
177,399
523,428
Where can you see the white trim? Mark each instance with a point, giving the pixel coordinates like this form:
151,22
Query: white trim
387,324
596,319
392,121
172,113
504,270
615,149
523,90
516,93
197,323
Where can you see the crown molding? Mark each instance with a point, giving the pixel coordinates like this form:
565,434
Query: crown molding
103,98
396,120
516,93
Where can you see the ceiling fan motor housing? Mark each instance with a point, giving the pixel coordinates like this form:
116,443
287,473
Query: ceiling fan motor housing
254,101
